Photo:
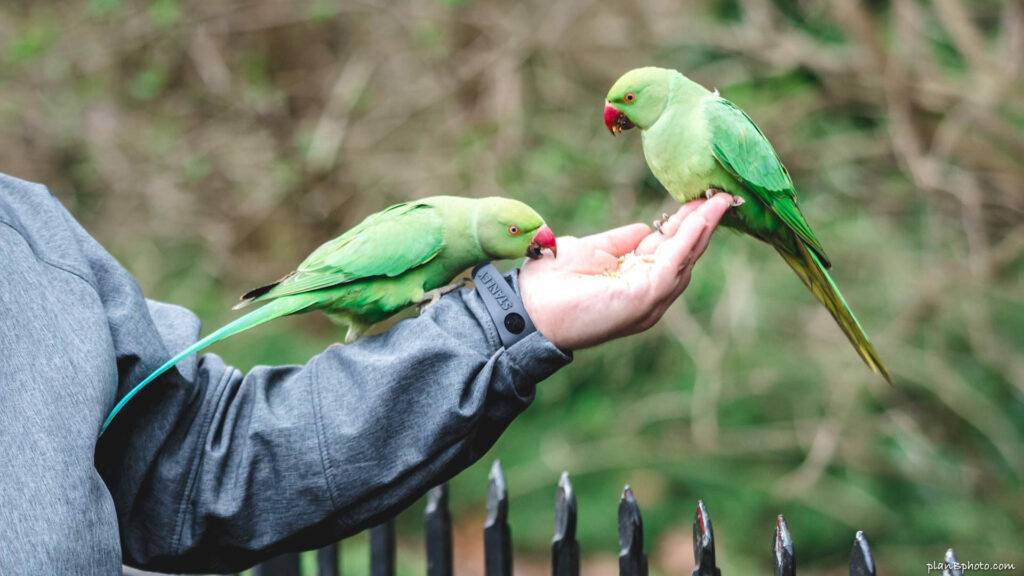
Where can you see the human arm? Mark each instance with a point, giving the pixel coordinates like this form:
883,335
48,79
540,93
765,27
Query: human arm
384,441
287,458
294,457
211,469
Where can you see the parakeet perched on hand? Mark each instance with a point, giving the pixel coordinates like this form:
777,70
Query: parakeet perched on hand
406,254
696,142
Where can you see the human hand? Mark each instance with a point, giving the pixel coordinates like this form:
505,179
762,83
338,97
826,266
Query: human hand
618,282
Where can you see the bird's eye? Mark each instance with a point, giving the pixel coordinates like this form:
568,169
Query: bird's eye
513,230
629,97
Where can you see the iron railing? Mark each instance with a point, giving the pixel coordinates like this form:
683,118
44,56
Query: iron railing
565,550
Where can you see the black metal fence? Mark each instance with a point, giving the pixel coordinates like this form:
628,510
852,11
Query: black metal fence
565,550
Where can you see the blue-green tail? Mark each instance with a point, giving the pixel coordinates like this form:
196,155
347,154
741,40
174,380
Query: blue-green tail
274,309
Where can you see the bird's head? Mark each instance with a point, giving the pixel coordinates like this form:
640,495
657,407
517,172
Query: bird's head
508,229
637,99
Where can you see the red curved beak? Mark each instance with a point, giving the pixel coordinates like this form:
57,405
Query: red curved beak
615,120
544,238
611,115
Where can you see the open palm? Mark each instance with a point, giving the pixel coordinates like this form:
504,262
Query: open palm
618,282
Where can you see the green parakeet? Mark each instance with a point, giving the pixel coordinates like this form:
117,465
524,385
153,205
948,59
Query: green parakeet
695,141
406,254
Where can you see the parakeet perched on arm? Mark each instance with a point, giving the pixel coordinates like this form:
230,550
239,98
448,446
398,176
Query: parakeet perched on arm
695,141
406,254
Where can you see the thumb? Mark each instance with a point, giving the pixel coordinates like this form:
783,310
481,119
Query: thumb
618,241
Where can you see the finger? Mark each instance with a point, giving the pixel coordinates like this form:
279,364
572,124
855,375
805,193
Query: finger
665,300
714,216
672,224
702,244
672,256
618,241
716,207
651,242
668,228
678,252
674,251
699,248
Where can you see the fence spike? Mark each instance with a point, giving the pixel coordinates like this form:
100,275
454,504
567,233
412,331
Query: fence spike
861,561
632,560
952,566
497,534
565,550
782,549
283,565
438,532
327,560
382,549
703,544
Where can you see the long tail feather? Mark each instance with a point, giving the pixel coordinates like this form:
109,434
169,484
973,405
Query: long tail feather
274,309
812,271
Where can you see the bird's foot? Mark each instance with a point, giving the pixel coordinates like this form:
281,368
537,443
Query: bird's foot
660,222
431,298
710,192
736,200
355,330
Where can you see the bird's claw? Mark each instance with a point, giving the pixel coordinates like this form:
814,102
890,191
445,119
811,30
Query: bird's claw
429,301
660,222
431,298
736,200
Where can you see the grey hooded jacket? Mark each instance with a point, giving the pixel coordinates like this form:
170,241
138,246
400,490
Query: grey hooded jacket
210,469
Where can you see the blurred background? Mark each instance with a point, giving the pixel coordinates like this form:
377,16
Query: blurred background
211,145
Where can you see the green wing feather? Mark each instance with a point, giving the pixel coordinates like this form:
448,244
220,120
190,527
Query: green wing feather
388,243
742,149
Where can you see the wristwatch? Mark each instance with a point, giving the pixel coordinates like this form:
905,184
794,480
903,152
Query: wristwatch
500,295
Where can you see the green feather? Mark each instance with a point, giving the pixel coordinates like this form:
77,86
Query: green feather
382,265
388,243
742,149
694,141
812,272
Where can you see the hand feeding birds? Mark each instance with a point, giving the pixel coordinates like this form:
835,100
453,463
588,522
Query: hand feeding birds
697,143
404,255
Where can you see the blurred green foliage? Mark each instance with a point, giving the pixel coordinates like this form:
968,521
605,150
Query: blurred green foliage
211,145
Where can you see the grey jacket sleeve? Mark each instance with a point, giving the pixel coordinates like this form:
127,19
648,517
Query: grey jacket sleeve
212,469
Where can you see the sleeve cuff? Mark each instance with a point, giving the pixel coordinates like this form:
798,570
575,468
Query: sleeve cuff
500,296
532,360
530,357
